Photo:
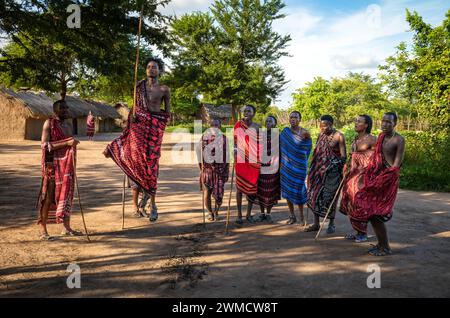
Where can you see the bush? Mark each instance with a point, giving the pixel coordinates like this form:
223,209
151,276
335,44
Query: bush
427,162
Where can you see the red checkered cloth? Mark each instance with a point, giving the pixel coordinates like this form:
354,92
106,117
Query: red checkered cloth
60,170
138,149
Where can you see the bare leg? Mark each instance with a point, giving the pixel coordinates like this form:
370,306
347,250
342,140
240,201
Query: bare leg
239,204
302,216
207,201
207,198
153,201
154,211
262,216
135,198
66,224
44,215
291,208
292,218
380,231
216,210
249,209
262,208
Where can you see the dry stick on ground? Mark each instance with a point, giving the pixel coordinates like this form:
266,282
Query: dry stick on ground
229,200
79,197
331,205
123,202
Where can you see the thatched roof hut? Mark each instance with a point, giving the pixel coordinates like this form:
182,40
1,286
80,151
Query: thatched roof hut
28,111
123,110
222,112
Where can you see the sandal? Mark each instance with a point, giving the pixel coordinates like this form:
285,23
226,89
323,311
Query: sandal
361,238
211,217
154,214
373,248
250,219
46,237
292,220
312,228
331,229
71,233
137,214
239,221
350,237
380,251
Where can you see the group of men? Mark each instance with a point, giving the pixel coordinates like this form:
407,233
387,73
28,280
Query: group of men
268,166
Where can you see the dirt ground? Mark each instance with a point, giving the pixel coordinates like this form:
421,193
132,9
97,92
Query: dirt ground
177,257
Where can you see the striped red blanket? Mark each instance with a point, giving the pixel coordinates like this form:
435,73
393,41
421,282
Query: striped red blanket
59,173
138,149
247,158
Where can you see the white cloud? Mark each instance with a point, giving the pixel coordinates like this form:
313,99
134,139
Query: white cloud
330,46
351,62
179,7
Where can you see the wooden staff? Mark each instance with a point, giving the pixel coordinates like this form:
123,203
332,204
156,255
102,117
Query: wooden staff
79,197
136,64
123,201
229,200
331,205
137,60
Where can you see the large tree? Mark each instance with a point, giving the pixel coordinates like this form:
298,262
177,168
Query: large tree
230,55
420,74
342,97
43,52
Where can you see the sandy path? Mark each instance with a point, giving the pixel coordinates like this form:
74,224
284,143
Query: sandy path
175,257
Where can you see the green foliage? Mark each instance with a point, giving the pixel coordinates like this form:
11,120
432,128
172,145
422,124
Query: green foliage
421,74
230,54
426,165
44,53
343,98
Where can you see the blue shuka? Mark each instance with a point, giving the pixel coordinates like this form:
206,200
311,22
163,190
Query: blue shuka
295,152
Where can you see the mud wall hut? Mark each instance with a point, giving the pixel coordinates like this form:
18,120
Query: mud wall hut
26,111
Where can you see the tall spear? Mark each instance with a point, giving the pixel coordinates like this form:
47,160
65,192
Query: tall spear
134,102
137,60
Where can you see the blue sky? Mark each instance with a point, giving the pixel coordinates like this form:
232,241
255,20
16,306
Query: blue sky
331,38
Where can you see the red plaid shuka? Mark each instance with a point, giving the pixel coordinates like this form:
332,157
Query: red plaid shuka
377,196
247,164
58,173
352,185
325,175
214,174
90,126
138,149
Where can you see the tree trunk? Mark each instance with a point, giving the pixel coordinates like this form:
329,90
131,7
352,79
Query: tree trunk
233,114
63,91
